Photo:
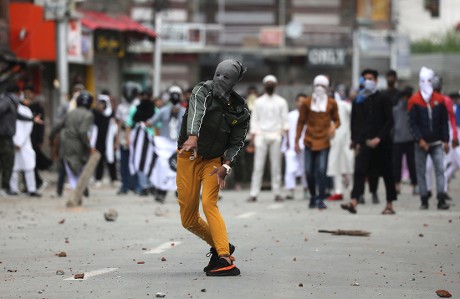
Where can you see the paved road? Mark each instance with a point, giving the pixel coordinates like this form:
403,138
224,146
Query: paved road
279,250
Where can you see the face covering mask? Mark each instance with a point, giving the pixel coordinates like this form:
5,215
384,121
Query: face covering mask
426,89
226,76
370,85
270,89
319,91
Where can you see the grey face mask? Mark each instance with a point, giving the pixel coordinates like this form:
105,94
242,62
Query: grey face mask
228,73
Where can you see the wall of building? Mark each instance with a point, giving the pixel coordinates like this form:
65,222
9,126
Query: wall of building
417,22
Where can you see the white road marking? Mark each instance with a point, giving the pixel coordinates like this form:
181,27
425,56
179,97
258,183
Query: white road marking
275,206
246,215
94,273
163,247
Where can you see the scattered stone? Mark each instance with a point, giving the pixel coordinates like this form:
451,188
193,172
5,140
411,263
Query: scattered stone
160,295
301,285
173,244
41,291
79,276
305,239
203,290
13,271
140,262
67,240
111,215
163,259
420,235
62,254
59,272
355,284
143,248
61,221
425,225
443,294
450,220
294,259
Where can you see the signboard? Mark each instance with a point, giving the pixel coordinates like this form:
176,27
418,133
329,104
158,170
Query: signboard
109,42
271,36
79,44
327,57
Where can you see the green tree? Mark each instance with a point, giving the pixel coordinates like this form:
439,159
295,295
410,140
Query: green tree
448,42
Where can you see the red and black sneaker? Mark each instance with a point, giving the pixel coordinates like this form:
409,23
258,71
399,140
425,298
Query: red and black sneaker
215,257
223,268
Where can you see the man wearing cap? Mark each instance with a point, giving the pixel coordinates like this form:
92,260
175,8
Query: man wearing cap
318,113
212,133
269,123
428,121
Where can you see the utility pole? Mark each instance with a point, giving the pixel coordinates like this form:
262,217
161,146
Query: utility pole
157,55
62,63
158,7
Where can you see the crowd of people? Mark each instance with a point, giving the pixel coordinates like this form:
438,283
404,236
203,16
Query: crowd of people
333,140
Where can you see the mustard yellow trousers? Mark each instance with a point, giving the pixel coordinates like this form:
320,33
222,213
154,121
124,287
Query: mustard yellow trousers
193,176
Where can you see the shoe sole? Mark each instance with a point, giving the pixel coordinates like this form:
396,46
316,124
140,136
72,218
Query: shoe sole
232,272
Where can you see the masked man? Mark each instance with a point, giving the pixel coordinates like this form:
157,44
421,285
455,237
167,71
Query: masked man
372,141
212,133
429,124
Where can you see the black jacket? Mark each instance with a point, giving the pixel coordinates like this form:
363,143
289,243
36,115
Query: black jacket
372,118
221,128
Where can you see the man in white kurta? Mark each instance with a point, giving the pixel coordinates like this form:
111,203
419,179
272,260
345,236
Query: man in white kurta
24,159
269,123
295,162
341,158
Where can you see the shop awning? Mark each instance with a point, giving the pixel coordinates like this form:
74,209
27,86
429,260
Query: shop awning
98,20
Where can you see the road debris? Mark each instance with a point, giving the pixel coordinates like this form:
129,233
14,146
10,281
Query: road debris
111,215
140,262
61,221
59,272
163,259
79,276
340,232
160,295
443,294
62,254
203,290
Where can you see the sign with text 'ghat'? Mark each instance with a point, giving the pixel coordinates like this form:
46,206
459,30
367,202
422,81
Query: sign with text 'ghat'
326,57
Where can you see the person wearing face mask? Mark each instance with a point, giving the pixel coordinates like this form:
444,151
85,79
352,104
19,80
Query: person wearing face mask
428,120
170,118
372,142
269,123
320,114
212,134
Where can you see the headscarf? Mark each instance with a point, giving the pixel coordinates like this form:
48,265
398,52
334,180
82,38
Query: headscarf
319,96
227,74
108,105
425,84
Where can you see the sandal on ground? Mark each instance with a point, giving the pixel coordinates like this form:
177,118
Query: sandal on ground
349,207
388,211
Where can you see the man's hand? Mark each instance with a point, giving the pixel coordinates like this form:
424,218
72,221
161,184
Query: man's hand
372,143
446,147
92,150
331,133
221,174
423,145
454,143
297,147
190,145
38,119
17,147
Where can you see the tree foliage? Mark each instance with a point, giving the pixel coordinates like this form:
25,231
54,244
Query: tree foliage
448,42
